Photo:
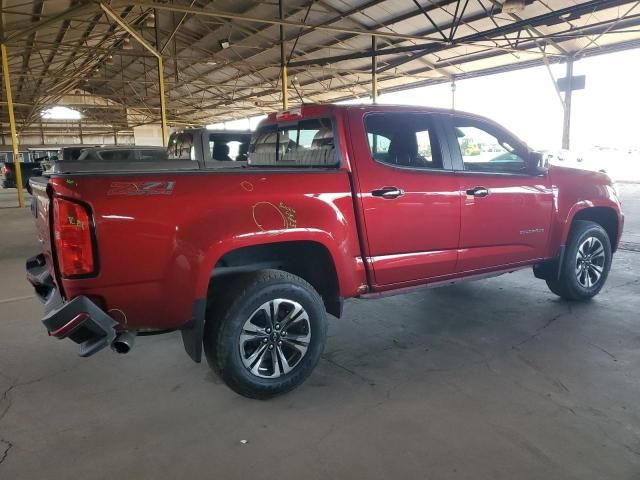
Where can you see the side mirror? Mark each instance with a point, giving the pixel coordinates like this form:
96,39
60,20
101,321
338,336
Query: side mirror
536,163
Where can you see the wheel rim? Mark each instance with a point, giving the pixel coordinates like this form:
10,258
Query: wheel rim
275,338
590,261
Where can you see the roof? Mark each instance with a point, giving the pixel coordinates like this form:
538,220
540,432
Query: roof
222,59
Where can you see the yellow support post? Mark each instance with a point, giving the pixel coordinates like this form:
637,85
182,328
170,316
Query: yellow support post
283,61
12,124
163,108
285,89
374,70
120,21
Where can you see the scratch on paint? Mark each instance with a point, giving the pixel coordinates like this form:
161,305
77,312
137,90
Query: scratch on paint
247,186
266,220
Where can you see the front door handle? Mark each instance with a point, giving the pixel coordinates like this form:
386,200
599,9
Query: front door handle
388,192
478,191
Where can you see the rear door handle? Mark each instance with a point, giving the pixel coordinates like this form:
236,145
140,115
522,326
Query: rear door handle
478,191
388,192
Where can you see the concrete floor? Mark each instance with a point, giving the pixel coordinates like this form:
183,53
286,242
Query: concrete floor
496,379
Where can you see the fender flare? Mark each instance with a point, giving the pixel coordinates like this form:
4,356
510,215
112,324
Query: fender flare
221,248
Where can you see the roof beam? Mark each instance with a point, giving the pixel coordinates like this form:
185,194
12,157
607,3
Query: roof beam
274,21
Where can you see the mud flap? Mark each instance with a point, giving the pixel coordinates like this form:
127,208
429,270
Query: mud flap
192,333
550,269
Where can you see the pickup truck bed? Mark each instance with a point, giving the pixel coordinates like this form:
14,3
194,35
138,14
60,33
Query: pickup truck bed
335,202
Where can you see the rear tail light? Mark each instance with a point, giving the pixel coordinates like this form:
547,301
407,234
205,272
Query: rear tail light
5,170
73,237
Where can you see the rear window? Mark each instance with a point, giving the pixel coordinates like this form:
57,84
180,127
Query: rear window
181,146
308,143
229,147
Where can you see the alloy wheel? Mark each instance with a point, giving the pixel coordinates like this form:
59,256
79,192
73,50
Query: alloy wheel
275,338
590,262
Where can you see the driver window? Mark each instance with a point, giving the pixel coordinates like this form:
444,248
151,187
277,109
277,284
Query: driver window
482,151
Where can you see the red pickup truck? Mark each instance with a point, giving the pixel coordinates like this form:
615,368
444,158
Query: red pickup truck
334,202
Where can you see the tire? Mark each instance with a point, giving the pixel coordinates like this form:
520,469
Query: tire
586,263
243,337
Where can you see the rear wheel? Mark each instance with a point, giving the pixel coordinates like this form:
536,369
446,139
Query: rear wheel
586,263
265,333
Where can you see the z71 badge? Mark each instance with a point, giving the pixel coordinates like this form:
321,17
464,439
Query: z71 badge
141,188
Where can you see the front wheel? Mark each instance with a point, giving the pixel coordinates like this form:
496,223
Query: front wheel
586,263
265,332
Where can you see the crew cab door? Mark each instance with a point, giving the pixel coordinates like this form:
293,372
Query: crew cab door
408,194
506,208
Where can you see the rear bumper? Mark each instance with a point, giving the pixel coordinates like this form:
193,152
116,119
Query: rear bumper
79,319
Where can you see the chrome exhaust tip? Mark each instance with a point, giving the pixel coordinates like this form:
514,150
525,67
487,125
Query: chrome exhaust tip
123,342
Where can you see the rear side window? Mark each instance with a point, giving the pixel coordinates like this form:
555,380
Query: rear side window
308,143
403,140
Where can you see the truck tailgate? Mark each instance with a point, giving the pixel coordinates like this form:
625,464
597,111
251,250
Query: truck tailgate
40,204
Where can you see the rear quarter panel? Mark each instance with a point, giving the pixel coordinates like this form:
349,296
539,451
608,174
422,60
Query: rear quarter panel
160,236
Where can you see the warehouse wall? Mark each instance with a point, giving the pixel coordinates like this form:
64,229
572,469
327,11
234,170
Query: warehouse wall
71,139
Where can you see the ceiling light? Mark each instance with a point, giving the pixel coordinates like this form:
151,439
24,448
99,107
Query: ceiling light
126,44
109,60
211,62
224,44
150,21
59,112
512,6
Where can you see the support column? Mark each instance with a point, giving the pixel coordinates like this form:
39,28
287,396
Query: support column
12,125
374,69
120,21
283,62
80,131
453,94
566,123
163,108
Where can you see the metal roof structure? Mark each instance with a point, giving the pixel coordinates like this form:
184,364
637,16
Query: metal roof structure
222,59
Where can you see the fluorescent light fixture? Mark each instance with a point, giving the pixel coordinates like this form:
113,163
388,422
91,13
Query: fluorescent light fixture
224,44
512,6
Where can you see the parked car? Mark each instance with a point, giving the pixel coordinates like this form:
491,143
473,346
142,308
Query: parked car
123,154
27,170
114,158
211,148
334,202
64,154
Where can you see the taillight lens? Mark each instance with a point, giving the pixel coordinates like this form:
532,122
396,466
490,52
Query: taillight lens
72,236
5,170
